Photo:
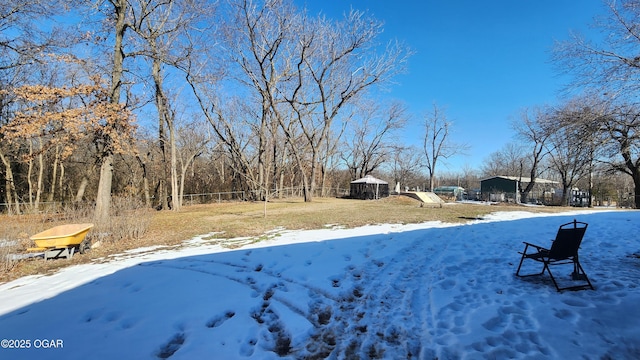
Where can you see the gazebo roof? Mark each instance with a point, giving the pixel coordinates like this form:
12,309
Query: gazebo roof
369,180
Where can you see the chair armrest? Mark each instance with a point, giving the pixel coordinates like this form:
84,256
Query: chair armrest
535,246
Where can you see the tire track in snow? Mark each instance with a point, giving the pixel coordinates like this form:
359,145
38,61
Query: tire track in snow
274,333
247,281
383,315
260,269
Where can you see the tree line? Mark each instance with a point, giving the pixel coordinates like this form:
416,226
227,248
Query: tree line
594,130
152,99
136,97
591,137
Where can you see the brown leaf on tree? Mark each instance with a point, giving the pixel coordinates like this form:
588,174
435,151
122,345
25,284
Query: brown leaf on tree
61,116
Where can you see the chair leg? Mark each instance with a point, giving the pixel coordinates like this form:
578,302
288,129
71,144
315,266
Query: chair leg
524,254
581,275
546,267
520,265
578,274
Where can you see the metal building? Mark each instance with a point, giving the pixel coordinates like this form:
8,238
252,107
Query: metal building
507,188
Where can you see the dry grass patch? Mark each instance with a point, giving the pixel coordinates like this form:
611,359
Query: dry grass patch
136,227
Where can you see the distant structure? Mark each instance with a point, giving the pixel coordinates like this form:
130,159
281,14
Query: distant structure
507,188
369,188
425,197
455,193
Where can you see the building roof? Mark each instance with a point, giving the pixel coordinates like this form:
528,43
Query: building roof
369,180
448,188
523,179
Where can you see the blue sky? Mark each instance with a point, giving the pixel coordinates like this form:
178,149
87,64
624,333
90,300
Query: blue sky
482,61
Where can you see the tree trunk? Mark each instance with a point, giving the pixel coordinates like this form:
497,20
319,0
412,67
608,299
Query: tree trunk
262,176
29,174
166,118
281,184
145,182
309,182
432,172
83,186
60,187
9,185
145,188
565,194
636,183
175,192
305,187
40,178
163,201
54,175
103,197
323,181
183,173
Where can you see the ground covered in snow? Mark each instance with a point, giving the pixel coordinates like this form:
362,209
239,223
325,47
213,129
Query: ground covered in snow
421,291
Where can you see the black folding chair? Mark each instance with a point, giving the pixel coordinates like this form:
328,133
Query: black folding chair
564,250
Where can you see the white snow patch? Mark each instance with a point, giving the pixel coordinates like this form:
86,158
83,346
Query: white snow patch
391,291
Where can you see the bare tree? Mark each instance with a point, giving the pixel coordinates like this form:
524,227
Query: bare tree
368,144
21,39
193,141
437,144
164,27
610,63
571,145
533,126
335,63
622,125
117,15
405,163
469,178
507,161
258,38
233,128
303,71
22,43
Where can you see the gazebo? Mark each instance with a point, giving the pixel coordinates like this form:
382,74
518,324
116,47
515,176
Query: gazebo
369,188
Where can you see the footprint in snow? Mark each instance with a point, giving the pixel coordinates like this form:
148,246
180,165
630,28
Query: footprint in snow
92,315
247,348
218,320
174,344
112,316
447,284
495,324
566,314
127,324
575,302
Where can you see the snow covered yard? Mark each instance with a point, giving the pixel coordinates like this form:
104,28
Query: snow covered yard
421,291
